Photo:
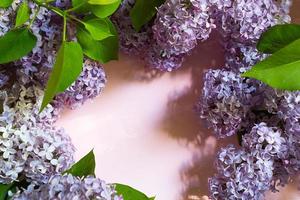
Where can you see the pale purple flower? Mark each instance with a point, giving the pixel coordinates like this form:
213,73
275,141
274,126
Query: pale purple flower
225,101
30,146
246,20
268,141
88,85
241,175
68,187
131,41
179,24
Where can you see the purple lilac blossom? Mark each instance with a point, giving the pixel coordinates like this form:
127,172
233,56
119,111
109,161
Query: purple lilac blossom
267,141
47,30
225,101
240,57
30,146
176,30
88,85
241,175
156,59
68,187
131,41
246,20
179,24
40,61
289,111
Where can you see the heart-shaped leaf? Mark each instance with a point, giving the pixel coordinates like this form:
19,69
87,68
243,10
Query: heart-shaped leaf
23,14
84,167
23,42
277,37
281,70
129,193
98,28
103,11
5,3
143,11
67,68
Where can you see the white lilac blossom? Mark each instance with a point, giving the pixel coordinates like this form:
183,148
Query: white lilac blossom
68,187
241,175
30,146
88,85
225,101
131,42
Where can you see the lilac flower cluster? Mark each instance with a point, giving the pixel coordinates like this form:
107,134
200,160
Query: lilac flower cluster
90,84
32,149
245,20
29,144
247,173
62,187
241,175
180,24
226,100
37,65
267,119
132,42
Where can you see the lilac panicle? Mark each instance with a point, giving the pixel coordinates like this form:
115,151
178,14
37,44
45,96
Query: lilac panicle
131,41
226,99
88,85
29,144
240,175
68,187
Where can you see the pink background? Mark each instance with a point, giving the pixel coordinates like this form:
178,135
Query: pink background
145,133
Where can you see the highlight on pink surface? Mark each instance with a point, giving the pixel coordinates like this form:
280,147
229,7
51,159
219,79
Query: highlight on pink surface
144,131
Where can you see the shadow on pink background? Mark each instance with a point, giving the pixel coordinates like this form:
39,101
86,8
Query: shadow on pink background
145,133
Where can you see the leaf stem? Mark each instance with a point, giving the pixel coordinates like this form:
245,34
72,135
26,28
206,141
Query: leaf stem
75,8
65,27
57,11
34,17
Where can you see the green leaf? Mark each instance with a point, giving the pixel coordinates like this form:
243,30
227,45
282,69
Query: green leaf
4,188
84,167
80,6
90,47
129,193
281,70
104,50
103,11
5,3
101,2
23,42
67,68
23,14
109,47
278,37
143,11
98,28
